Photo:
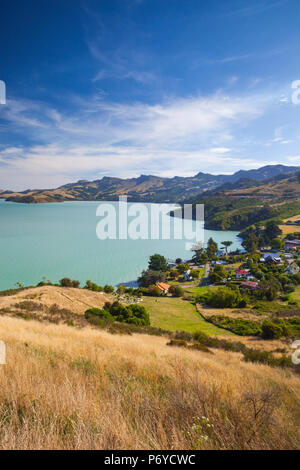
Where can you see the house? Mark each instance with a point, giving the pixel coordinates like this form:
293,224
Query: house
221,253
265,248
293,268
241,273
272,259
163,287
251,285
291,244
187,275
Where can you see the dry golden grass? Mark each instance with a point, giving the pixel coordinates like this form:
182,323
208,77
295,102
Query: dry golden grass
74,300
286,229
293,218
69,388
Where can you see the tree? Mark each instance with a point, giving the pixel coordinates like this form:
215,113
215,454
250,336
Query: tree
173,273
158,263
121,289
212,248
178,261
217,274
93,286
276,243
200,255
226,244
251,243
272,230
67,282
182,268
195,273
149,277
268,289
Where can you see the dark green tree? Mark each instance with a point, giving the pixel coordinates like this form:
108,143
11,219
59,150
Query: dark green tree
251,243
149,277
158,263
272,230
226,244
212,248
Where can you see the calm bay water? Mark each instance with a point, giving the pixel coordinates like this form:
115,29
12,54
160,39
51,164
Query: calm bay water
59,240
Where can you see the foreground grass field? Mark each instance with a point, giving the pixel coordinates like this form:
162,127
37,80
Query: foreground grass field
68,388
176,314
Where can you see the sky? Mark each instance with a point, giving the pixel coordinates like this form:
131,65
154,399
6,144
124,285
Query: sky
165,87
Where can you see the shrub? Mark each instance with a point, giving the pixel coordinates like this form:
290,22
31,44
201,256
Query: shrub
98,316
200,347
121,289
92,286
238,326
67,282
108,289
217,274
195,273
173,273
177,342
154,291
182,268
270,330
268,289
223,297
266,357
176,291
136,314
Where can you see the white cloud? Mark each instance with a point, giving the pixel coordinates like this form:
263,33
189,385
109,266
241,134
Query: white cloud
54,165
174,137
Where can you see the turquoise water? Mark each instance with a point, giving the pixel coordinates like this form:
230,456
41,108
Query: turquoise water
59,240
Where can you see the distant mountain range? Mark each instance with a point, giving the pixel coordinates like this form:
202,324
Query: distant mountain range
146,187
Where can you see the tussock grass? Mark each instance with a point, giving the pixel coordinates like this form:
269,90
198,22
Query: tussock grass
69,388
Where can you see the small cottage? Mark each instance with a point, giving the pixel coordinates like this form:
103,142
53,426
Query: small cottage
239,273
163,287
250,285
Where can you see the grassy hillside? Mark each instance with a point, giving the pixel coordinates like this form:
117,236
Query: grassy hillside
238,205
68,388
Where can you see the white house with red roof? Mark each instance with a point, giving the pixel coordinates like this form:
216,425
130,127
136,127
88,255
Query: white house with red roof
240,273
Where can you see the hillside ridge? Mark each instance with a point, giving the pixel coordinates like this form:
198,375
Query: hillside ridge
148,188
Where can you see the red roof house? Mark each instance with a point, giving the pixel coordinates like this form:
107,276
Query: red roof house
249,285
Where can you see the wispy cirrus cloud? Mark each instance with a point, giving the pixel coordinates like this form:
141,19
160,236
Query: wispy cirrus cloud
255,8
100,137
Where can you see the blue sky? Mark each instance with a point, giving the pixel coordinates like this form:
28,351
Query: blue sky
130,87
